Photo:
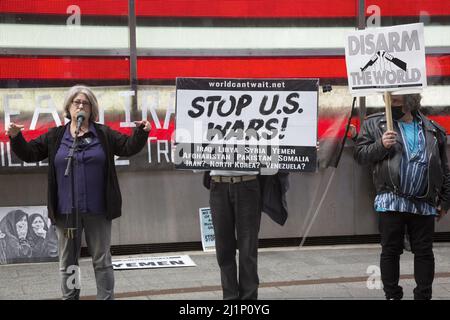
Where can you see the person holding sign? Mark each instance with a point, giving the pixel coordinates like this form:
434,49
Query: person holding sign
353,134
250,133
412,182
94,190
235,200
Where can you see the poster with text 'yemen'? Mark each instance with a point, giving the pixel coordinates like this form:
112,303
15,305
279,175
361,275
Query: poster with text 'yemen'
264,125
386,59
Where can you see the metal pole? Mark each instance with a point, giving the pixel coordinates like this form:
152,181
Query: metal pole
133,55
319,206
361,23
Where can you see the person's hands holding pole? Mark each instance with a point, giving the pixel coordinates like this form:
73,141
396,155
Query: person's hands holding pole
388,139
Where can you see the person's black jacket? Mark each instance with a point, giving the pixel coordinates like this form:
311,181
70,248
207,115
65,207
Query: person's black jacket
113,143
273,194
386,163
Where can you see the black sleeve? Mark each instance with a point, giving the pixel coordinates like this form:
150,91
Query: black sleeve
207,179
34,151
445,190
369,149
124,145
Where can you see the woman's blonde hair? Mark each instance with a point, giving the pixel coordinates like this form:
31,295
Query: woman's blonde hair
73,92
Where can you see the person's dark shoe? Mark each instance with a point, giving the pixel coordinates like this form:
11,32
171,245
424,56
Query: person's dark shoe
398,296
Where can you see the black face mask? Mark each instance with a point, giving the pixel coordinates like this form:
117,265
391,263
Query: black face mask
397,113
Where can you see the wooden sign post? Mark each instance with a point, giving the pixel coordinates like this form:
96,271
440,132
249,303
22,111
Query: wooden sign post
387,102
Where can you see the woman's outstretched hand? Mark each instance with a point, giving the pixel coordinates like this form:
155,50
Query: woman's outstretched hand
13,129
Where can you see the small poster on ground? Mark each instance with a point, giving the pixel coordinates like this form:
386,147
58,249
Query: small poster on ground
153,262
207,230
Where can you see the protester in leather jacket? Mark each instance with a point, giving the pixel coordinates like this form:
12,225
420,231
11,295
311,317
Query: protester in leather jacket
412,182
386,162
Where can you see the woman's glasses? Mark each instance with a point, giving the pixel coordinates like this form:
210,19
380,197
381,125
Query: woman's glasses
78,103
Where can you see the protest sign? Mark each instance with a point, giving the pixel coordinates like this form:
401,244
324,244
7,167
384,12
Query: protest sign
246,124
386,59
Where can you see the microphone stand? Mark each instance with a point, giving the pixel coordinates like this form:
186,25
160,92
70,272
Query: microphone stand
71,231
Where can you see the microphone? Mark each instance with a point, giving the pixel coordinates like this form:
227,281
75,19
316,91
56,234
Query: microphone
80,118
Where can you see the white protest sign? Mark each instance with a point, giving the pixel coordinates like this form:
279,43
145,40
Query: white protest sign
386,59
246,124
207,230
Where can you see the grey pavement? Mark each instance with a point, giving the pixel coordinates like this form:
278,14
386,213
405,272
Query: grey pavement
326,272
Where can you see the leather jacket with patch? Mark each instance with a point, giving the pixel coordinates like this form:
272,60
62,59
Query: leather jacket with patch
385,163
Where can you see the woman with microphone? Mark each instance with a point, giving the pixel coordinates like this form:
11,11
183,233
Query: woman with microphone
96,192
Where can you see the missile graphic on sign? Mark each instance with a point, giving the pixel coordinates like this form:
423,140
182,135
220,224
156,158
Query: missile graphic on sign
399,63
370,62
